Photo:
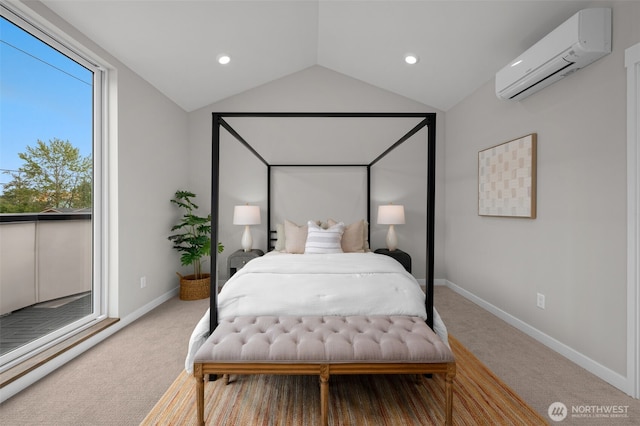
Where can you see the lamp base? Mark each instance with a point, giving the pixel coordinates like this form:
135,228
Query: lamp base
247,240
392,238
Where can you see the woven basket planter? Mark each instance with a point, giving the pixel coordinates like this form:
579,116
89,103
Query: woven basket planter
194,289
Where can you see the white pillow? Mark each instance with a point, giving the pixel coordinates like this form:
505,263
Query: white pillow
280,237
322,241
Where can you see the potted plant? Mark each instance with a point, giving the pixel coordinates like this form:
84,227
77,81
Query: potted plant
193,240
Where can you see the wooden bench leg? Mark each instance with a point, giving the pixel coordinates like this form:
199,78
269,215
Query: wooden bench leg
199,392
451,373
324,395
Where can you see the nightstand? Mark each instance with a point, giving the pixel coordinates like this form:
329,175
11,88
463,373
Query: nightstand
399,255
240,258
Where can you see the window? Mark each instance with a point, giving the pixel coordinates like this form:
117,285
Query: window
50,190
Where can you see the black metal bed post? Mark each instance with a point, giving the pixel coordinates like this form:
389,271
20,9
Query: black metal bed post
368,203
269,208
215,193
431,202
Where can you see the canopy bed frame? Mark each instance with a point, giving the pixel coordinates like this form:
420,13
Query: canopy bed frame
326,344
427,120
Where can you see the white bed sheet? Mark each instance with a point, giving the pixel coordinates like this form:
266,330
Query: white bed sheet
318,284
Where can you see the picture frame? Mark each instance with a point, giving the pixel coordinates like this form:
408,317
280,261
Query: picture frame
507,179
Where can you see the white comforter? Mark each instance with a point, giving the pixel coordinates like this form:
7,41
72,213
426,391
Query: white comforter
318,284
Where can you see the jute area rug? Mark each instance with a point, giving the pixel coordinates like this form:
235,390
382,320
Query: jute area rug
480,398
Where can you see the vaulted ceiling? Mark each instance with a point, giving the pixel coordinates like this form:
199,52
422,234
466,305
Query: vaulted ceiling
174,44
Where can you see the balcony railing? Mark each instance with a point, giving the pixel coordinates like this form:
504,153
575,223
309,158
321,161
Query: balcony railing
43,257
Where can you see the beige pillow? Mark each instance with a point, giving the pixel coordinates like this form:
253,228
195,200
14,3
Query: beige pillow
353,240
295,237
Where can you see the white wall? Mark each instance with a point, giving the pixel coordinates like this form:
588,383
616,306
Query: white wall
153,162
575,251
315,89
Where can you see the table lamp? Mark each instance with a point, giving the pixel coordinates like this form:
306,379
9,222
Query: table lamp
246,215
391,215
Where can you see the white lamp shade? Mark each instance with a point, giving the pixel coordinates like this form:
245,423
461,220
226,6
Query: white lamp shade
391,215
246,215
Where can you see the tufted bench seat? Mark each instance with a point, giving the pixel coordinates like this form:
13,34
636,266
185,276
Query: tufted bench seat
324,345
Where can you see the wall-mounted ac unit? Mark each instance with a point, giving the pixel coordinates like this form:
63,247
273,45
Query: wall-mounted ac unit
579,41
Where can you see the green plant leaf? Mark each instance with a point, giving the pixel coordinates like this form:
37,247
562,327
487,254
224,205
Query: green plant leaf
193,237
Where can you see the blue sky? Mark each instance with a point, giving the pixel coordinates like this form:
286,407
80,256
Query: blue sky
43,95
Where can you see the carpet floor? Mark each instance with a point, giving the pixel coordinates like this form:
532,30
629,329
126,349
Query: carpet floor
480,398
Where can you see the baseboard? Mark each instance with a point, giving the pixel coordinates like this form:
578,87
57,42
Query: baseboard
597,369
436,281
30,378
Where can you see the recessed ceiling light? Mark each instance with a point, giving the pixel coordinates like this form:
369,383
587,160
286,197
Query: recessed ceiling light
411,59
224,59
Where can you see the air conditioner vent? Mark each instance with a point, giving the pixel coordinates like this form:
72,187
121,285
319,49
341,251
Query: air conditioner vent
579,41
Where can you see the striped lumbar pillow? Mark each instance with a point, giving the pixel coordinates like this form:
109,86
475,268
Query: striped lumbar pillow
321,241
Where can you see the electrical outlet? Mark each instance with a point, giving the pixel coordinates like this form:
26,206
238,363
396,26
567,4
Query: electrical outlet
540,301
143,282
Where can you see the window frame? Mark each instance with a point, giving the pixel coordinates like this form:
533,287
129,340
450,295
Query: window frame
99,286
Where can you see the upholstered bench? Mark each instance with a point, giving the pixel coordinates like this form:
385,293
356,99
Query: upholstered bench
324,345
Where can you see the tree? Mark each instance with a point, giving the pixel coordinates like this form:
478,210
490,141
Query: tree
17,197
53,175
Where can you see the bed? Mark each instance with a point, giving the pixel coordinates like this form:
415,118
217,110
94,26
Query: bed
272,311
321,311
339,284
321,314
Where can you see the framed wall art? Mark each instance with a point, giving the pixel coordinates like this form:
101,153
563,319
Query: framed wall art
507,179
